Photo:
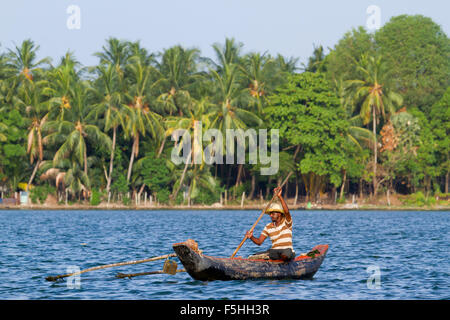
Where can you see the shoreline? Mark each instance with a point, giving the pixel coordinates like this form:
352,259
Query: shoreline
215,207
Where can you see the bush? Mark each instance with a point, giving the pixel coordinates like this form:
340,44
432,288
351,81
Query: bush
209,197
41,193
120,184
206,197
163,196
95,198
341,200
237,191
418,199
126,200
180,199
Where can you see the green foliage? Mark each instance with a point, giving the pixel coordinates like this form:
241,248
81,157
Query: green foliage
418,199
307,112
154,172
401,162
13,159
209,196
340,62
120,184
418,53
163,196
239,189
119,179
41,193
95,197
440,127
66,115
126,200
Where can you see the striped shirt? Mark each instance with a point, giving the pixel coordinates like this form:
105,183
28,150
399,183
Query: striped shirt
281,235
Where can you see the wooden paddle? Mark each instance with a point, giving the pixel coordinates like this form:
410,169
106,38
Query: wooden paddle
131,275
170,267
261,215
50,278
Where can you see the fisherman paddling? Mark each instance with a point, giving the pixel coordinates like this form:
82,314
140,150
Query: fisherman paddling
279,231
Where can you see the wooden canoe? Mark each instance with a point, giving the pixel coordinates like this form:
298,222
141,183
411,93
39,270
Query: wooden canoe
206,268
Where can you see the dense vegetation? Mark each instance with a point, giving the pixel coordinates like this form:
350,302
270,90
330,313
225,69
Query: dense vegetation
370,116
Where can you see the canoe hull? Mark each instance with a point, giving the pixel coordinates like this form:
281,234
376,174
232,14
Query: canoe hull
207,268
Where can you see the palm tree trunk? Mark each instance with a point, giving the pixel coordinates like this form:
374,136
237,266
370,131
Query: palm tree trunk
296,191
446,182
188,161
252,191
85,161
269,181
130,166
33,174
360,188
108,185
374,152
229,176
140,190
239,176
161,148
343,184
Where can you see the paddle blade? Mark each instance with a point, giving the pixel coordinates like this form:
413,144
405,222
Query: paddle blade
170,267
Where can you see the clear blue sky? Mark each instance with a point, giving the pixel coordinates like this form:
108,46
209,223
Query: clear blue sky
289,27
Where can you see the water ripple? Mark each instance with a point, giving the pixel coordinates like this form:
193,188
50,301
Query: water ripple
410,250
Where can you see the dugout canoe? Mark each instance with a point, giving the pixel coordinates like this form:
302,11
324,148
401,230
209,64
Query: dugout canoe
207,268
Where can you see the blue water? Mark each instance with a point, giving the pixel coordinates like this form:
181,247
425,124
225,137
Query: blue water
372,254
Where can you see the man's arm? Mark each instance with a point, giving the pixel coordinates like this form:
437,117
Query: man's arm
287,214
257,241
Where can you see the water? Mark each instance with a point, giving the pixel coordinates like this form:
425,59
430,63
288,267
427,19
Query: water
408,250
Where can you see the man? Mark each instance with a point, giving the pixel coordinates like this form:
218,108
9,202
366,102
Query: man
279,231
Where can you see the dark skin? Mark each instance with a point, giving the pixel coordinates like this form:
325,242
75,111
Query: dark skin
277,218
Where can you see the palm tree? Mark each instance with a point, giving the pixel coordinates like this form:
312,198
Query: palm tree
137,50
178,76
62,79
76,130
373,93
77,180
315,62
23,59
199,178
31,99
230,96
262,76
140,118
6,82
357,135
110,107
197,114
286,65
116,52
226,55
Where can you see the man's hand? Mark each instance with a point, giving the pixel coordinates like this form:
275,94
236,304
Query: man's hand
278,191
258,241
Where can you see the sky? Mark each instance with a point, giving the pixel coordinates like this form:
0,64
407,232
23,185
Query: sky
288,27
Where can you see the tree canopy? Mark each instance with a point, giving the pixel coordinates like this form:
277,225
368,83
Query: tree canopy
370,115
